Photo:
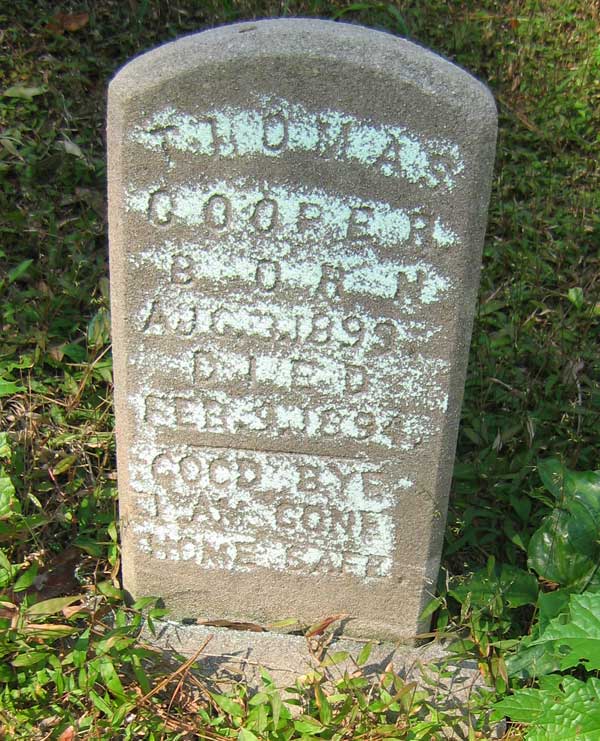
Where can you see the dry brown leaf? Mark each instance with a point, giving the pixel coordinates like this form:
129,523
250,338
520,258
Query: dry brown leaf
56,353
7,609
232,625
62,22
71,610
41,631
59,576
68,734
10,611
321,626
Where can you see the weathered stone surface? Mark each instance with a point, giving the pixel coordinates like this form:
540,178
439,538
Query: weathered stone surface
297,210
237,655
225,657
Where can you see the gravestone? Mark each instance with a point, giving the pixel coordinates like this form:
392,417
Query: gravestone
297,210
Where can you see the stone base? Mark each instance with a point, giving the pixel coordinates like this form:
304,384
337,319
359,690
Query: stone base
226,656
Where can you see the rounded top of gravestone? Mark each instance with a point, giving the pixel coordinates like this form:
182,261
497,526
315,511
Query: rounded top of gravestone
308,40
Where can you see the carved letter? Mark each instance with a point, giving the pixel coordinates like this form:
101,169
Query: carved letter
275,131
248,474
158,411
267,274
309,215
220,473
308,478
356,378
386,334
359,222
217,212
330,422
215,416
160,208
163,470
302,373
181,269
321,329
354,328
331,283
220,144
189,469
312,518
390,157
264,216
204,366
186,413
365,422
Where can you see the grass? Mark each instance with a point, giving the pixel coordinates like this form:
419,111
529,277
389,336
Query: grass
532,390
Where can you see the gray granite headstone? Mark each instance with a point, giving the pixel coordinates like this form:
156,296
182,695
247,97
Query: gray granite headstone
297,210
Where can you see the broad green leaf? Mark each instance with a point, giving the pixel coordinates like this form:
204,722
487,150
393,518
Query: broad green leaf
6,484
552,472
7,570
429,609
576,297
142,678
8,388
363,656
143,602
551,604
98,331
19,270
564,549
567,485
266,678
51,606
518,586
8,503
26,579
89,545
30,658
76,353
25,93
120,712
584,487
276,706
514,585
324,706
6,674
110,678
337,657
260,698
108,590
116,640
112,531
64,464
5,562
80,649
532,661
569,711
101,704
5,449
578,634
524,706
306,724
245,735
229,705
258,719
